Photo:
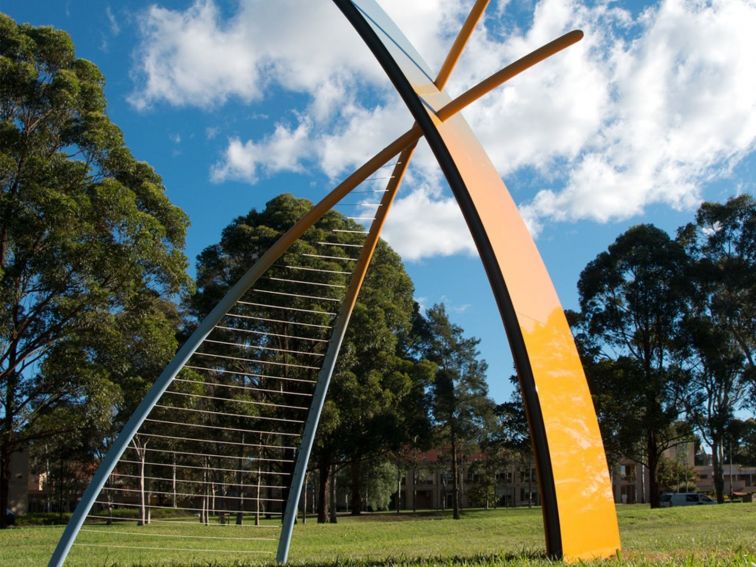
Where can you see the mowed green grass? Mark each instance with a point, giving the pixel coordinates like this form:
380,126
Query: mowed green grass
693,536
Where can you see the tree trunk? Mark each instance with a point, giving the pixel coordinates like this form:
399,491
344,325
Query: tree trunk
6,435
530,480
324,481
142,504
718,471
455,479
414,486
4,482
356,500
332,496
653,464
304,500
257,497
240,485
398,488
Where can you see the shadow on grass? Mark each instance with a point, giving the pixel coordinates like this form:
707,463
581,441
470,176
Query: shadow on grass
525,557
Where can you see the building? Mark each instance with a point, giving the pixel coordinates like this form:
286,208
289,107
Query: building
427,483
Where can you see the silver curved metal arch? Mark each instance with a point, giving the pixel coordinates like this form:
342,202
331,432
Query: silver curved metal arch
185,352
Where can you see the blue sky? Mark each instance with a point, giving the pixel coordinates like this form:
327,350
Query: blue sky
234,102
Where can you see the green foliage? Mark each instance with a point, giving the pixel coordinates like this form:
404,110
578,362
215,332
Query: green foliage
717,337
90,247
742,434
459,393
377,395
380,484
631,300
676,476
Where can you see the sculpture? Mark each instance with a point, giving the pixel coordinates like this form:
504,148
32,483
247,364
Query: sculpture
579,516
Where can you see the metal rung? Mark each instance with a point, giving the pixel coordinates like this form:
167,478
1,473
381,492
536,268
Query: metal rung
278,321
187,481
263,333
339,244
234,386
220,428
240,302
349,231
214,511
196,467
162,548
148,534
254,361
259,347
265,376
330,257
192,521
251,402
317,270
171,493
217,442
264,418
213,455
361,218
359,205
312,283
299,295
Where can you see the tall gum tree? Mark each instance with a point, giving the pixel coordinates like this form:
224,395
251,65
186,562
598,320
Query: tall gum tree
90,247
718,331
366,412
631,300
460,403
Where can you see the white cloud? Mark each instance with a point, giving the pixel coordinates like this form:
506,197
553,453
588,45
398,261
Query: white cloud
683,111
198,57
642,111
115,27
284,150
426,223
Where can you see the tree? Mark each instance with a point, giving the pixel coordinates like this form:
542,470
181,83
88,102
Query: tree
460,399
742,435
378,393
675,475
366,411
631,300
90,247
718,331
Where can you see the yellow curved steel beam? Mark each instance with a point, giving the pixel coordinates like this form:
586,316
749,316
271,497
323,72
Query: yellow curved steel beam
579,516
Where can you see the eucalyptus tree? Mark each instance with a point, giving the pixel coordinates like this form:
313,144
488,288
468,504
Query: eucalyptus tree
632,298
90,247
717,337
460,403
376,392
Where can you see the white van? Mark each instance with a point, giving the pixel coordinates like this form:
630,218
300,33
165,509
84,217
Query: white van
685,499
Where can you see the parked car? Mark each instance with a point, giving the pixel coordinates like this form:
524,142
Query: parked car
685,499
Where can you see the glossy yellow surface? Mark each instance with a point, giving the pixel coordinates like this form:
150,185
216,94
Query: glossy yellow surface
587,517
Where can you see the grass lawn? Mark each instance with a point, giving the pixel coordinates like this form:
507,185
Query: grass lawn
692,536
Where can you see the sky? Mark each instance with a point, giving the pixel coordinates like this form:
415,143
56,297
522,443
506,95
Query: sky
236,101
